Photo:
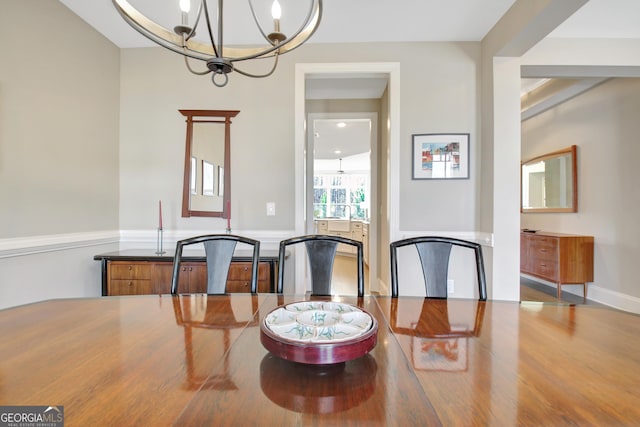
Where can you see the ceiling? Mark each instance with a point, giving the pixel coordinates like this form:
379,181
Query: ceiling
340,138
383,21
406,20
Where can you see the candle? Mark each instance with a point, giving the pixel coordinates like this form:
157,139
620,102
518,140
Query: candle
160,214
229,215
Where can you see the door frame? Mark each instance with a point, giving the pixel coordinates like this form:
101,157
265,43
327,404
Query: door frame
392,129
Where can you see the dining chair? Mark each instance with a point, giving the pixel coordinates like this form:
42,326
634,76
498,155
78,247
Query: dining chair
219,250
434,254
321,254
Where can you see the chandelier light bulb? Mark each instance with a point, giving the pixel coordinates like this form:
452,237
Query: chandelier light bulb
276,10
185,6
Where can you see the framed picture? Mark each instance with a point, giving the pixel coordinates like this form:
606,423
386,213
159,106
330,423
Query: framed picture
193,176
440,156
208,179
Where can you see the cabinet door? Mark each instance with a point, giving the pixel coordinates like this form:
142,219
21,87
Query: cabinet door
239,279
129,278
162,275
197,277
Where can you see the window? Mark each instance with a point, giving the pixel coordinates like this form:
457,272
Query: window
341,196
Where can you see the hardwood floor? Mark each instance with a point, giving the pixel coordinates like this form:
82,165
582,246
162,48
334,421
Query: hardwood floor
344,273
343,281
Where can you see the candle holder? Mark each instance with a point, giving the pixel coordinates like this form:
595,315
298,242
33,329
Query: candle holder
159,242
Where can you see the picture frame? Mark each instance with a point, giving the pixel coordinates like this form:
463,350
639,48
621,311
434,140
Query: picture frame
440,156
208,178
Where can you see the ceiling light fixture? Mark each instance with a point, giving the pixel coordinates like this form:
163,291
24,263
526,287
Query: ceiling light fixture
341,124
220,59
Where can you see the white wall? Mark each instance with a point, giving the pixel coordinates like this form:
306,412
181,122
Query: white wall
603,123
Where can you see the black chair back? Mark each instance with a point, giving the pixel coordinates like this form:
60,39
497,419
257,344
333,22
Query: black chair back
219,250
321,253
434,254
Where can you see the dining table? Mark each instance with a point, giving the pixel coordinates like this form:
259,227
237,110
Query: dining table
200,360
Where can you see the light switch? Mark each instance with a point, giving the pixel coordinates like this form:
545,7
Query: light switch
271,209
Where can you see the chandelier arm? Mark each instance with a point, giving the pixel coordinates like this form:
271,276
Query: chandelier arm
213,42
198,73
314,15
244,73
195,23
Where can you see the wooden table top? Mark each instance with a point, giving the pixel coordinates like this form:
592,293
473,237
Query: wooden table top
197,360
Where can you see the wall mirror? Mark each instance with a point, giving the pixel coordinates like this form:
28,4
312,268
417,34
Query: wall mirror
549,182
207,168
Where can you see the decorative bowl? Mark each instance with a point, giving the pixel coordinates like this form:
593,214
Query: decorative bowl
318,333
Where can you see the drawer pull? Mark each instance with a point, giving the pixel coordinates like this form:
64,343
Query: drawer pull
130,268
543,265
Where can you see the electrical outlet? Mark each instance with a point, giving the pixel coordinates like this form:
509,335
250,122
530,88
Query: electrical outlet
450,288
271,209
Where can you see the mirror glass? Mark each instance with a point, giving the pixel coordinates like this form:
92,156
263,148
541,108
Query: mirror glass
549,182
207,187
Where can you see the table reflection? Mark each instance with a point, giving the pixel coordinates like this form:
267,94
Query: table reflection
314,389
439,336
206,321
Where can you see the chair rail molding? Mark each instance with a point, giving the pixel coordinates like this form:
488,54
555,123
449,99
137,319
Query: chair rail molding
20,246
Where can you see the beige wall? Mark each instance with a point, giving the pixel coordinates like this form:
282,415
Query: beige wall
59,86
603,123
59,139
439,94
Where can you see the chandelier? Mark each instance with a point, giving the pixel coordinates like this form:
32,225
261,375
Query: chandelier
221,60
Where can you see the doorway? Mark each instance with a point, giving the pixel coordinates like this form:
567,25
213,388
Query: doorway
342,181
387,206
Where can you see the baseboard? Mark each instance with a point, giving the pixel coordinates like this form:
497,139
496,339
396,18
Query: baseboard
614,299
21,246
597,294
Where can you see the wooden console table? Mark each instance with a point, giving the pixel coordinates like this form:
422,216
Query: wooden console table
564,259
141,272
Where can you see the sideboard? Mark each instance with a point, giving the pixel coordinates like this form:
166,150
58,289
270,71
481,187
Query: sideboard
140,272
559,258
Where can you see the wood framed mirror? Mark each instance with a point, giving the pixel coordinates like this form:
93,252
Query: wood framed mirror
206,189
550,183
